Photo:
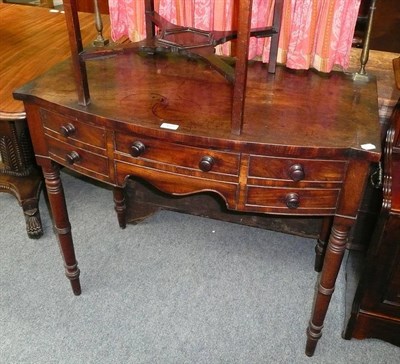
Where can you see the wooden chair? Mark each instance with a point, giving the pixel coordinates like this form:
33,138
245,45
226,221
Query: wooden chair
171,37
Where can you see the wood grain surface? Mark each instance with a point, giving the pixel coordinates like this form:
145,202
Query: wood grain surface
152,90
32,40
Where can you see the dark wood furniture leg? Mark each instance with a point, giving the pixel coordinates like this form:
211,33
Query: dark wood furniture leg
120,206
150,27
62,226
326,285
19,175
75,38
322,242
277,22
26,190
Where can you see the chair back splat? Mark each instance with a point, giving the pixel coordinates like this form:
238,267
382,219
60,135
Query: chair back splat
163,36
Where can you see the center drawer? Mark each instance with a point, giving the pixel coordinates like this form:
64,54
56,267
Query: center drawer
150,152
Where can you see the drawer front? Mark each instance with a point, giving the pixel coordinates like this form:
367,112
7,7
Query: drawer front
292,200
296,169
77,158
71,130
156,151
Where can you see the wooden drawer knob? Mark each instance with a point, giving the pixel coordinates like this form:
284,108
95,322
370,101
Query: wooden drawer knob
292,200
296,172
67,129
206,163
72,157
137,149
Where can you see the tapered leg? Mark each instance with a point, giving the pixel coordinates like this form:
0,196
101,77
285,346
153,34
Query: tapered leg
62,225
322,242
326,285
120,206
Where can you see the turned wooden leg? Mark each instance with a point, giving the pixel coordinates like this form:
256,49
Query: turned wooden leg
322,242
62,225
326,285
120,206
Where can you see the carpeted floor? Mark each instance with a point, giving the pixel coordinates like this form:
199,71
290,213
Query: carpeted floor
172,289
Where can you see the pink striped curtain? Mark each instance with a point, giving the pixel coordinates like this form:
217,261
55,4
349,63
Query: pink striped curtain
315,33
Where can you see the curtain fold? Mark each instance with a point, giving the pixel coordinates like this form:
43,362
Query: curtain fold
315,33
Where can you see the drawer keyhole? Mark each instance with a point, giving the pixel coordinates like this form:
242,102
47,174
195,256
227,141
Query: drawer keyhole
67,129
72,157
296,172
292,200
137,149
206,163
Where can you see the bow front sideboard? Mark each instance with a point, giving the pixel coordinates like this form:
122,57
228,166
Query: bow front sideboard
306,148
284,142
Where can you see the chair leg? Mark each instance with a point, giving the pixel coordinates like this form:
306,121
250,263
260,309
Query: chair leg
150,27
120,206
75,39
239,87
277,22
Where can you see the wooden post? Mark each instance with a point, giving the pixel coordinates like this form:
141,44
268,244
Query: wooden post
239,90
75,40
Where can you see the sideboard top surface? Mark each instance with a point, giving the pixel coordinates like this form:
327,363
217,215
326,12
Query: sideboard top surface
288,109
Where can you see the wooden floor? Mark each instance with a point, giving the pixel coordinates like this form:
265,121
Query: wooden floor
45,3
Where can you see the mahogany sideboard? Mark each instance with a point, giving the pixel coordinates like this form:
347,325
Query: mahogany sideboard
23,32
306,148
143,200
